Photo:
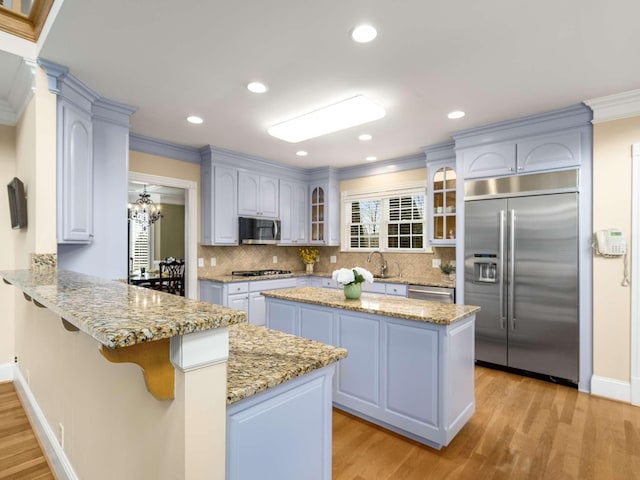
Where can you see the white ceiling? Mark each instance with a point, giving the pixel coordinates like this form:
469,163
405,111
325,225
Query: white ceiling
495,59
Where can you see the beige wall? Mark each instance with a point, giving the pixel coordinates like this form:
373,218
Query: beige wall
384,180
7,242
166,167
612,209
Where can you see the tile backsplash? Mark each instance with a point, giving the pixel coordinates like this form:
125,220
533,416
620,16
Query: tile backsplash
257,257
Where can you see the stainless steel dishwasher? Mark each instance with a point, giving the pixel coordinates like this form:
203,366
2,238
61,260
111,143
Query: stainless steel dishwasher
435,294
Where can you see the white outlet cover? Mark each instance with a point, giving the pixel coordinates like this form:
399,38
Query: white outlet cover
201,262
275,259
333,259
213,261
435,263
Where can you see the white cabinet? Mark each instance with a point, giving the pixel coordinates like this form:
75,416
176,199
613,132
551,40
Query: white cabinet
325,213
415,378
257,195
219,205
441,211
243,296
293,213
75,174
529,155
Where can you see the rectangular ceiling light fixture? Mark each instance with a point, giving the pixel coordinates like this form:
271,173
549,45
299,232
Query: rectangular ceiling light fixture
339,116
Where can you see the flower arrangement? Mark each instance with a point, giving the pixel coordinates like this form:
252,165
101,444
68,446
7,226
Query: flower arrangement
309,255
351,276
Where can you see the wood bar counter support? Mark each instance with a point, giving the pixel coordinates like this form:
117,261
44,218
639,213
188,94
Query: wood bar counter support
153,358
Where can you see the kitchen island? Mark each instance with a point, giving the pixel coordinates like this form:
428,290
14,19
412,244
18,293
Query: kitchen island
411,362
203,367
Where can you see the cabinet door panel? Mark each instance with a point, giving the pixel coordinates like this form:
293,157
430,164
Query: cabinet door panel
268,206
75,177
257,309
316,324
225,206
489,160
238,301
359,372
411,373
287,208
282,317
549,152
248,193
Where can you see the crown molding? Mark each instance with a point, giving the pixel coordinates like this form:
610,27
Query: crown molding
440,151
22,90
615,107
153,146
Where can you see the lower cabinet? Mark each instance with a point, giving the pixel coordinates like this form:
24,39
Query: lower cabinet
288,428
415,378
243,296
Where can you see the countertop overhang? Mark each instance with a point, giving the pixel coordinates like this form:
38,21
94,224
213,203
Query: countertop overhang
390,306
116,314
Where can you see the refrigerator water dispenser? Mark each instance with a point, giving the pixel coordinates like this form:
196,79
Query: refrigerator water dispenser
485,270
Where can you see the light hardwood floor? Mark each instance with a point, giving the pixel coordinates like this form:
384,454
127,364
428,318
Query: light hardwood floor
20,454
522,429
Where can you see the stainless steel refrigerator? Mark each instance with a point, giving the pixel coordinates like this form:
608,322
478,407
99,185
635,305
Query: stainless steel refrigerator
521,268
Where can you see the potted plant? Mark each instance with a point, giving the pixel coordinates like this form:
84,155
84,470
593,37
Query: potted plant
309,257
449,270
352,279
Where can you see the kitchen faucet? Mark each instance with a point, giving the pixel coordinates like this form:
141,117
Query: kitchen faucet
383,266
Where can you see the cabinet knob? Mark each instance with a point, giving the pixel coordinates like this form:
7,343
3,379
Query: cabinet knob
510,169
520,168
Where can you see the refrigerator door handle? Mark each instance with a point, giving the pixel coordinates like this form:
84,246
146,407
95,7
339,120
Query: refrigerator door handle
512,268
501,271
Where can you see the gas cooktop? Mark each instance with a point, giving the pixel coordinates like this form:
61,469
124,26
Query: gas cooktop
259,273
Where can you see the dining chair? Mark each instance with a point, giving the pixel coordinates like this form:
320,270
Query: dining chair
172,277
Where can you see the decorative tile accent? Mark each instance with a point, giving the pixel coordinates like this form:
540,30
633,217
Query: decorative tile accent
44,260
259,257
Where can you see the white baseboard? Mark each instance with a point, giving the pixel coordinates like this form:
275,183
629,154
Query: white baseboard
6,372
611,388
635,391
53,451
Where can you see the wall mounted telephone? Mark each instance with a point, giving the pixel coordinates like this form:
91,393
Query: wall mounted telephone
610,242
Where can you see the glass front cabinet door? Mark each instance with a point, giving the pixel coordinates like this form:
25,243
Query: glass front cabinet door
442,186
317,215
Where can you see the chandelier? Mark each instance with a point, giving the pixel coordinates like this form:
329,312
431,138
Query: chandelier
144,211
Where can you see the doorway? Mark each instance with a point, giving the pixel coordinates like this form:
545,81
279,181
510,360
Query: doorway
179,197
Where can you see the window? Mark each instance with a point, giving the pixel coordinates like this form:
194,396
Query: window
140,248
393,221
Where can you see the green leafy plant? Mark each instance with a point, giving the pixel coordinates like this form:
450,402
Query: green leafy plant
447,268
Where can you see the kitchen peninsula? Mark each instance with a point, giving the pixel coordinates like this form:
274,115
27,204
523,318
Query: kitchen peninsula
411,364
203,366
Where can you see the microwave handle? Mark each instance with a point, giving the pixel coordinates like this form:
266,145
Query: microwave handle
275,229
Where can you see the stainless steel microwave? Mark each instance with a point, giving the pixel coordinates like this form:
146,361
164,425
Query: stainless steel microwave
259,231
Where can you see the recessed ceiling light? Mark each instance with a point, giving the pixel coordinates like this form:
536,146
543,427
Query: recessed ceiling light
456,114
302,153
364,33
339,116
257,87
371,159
365,137
195,119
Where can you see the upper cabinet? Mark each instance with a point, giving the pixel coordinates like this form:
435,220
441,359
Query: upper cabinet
219,204
442,202
258,195
75,174
324,220
293,213
540,153
542,142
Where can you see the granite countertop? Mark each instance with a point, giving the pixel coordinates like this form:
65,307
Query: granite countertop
260,358
116,314
402,280
390,306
